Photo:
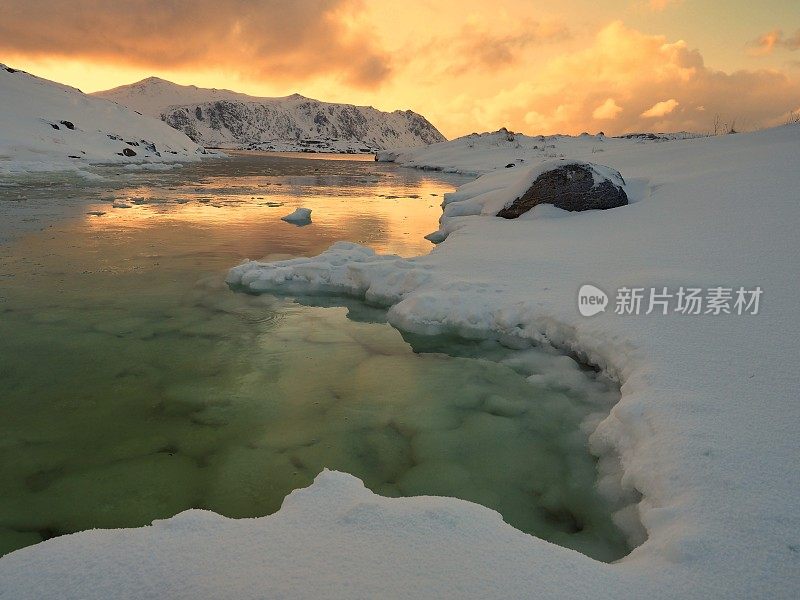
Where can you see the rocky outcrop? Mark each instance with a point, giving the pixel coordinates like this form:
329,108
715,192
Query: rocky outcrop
299,123
572,186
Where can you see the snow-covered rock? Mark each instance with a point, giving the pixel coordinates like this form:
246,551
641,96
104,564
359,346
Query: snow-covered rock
570,185
47,126
222,118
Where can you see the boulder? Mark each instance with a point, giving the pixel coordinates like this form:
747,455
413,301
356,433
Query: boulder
572,186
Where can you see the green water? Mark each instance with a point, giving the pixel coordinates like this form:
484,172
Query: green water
134,384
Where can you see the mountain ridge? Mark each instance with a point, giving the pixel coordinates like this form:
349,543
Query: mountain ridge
224,118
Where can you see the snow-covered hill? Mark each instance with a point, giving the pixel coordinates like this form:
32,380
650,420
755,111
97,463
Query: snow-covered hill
227,119
479,153
47,126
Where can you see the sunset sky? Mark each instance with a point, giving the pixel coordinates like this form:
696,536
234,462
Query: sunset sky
467,65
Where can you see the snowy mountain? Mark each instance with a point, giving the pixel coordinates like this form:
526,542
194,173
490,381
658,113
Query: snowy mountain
152,96
47,126
222,118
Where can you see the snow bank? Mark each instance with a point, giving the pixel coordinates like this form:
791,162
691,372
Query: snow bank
46,126
705,430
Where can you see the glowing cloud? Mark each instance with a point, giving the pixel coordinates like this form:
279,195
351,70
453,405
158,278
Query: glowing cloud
659,109
296,40
607,110
767,42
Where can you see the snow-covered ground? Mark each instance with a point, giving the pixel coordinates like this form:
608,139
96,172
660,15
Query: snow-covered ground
705,430
226,119
47,126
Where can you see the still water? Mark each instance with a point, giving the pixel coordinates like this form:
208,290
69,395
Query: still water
134,384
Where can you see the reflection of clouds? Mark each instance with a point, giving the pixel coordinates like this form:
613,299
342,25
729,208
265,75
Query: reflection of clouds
230,205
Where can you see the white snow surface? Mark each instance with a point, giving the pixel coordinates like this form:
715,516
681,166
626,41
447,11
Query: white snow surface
226,119
34,135
152,96
706,428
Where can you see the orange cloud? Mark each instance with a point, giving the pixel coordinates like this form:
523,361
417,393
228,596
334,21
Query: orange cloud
659,109
659,5
282,40
607,110
638,71
477,45
767,42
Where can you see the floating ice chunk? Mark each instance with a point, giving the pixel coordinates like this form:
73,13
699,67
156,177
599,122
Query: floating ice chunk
121,204
301,216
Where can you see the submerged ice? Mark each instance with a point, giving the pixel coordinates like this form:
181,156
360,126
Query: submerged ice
166,390
232,402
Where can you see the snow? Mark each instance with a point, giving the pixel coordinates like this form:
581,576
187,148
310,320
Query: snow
46,126
152,96
705,429
299,216
226,119
494,191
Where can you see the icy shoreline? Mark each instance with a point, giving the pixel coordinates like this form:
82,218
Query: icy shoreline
704,429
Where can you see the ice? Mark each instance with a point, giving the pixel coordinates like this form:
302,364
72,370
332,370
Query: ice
299,216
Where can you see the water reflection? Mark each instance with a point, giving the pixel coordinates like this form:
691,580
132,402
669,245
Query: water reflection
134,384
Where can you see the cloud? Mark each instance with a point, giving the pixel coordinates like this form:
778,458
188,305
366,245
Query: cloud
270,38
638,71
767,42
475,44
659,109
607,110
660,5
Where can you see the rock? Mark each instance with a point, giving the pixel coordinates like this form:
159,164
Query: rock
68,124
572,186
510,166
128,152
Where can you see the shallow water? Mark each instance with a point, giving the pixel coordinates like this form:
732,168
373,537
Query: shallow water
134,384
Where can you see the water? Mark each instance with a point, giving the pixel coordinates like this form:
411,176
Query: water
134,384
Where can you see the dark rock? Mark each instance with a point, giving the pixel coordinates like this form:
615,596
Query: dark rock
128,152
572,187
68,124
132,143
510,166
10,70
54,126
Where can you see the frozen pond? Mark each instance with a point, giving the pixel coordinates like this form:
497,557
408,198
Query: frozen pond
134,384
